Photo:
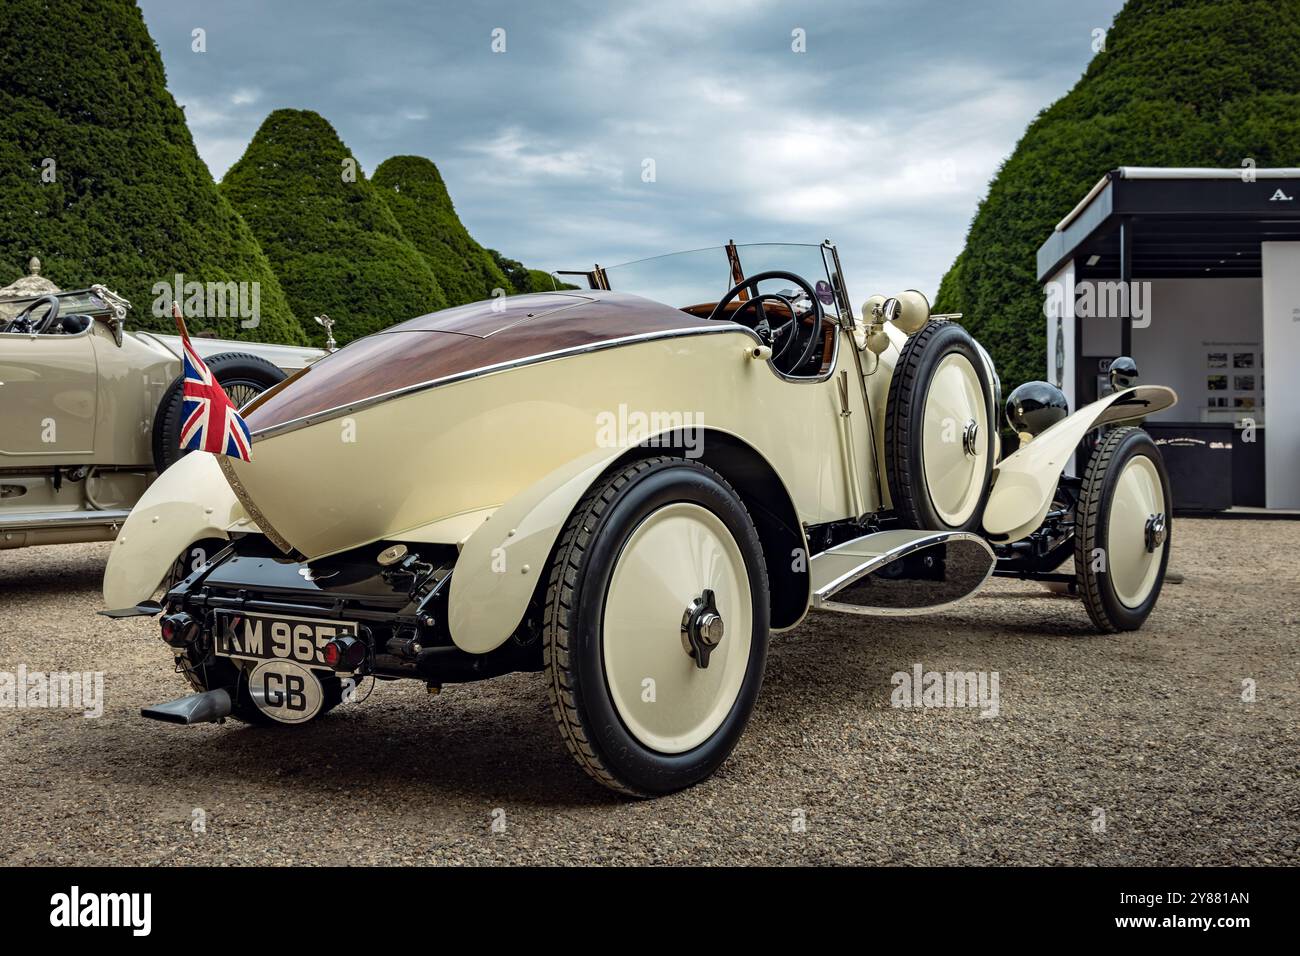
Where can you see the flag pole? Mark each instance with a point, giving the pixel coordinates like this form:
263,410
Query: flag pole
180,320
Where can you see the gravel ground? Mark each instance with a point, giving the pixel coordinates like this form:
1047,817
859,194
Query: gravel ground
1149,728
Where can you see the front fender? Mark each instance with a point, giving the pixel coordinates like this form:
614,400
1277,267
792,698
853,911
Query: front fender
189,501
1024,483
497,571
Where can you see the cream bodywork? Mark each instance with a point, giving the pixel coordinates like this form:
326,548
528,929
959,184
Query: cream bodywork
85,400
877,370
499,563
102,397
516,449
376,474
1024,483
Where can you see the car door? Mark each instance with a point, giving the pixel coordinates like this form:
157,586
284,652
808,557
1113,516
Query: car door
48,396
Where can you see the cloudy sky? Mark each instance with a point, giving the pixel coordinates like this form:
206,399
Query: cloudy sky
882,136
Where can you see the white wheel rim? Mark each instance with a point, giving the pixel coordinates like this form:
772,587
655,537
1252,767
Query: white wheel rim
670,559
952,463
1137,496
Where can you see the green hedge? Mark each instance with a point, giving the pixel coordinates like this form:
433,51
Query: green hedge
524,280
334,243
1180,83
131,204
413,189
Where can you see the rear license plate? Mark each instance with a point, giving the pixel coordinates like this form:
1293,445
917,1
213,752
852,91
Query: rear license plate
257,637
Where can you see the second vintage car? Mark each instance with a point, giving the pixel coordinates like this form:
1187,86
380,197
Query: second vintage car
630,487
90,410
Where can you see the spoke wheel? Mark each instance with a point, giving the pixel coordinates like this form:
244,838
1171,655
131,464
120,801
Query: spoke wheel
243,376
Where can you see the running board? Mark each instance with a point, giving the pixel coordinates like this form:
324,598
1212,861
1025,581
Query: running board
40,520
900,572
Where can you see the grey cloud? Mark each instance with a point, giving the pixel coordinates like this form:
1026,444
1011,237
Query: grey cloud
882,136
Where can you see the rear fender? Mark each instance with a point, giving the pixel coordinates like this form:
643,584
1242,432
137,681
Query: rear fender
1024,484
189,501
501,562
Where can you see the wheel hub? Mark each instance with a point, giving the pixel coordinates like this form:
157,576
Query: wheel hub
1157,531
702,628
970,438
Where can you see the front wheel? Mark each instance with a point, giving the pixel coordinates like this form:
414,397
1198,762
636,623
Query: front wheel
1122,530
656,626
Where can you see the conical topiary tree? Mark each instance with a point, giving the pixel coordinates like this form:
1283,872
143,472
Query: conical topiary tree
413,189
333,242
1180,83
100,179
522,279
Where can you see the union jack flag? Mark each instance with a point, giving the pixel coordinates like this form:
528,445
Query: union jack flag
209,419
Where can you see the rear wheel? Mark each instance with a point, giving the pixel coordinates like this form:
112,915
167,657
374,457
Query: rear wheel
1122,530
656,626
190,560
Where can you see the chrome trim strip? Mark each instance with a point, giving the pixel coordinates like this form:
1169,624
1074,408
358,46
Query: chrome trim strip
26,522
331,413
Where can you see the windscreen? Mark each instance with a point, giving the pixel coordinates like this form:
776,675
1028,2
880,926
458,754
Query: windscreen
700,276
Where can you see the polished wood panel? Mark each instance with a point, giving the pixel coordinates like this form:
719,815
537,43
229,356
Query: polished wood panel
393,360
493,316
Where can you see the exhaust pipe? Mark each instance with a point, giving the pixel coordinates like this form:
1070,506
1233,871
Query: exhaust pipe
205,708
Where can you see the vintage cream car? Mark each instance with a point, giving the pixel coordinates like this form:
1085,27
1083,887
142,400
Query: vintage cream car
629,487
90,412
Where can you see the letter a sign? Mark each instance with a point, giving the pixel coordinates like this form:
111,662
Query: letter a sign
1280,196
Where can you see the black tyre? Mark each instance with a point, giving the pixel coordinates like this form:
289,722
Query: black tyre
1122,530
939,432
648,556
243,376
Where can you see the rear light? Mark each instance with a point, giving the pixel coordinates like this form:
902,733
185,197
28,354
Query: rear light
178,630
344,653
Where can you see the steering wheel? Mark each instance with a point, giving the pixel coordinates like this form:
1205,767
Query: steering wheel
781,337
22,322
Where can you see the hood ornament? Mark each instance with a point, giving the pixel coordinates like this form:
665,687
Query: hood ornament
328,324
